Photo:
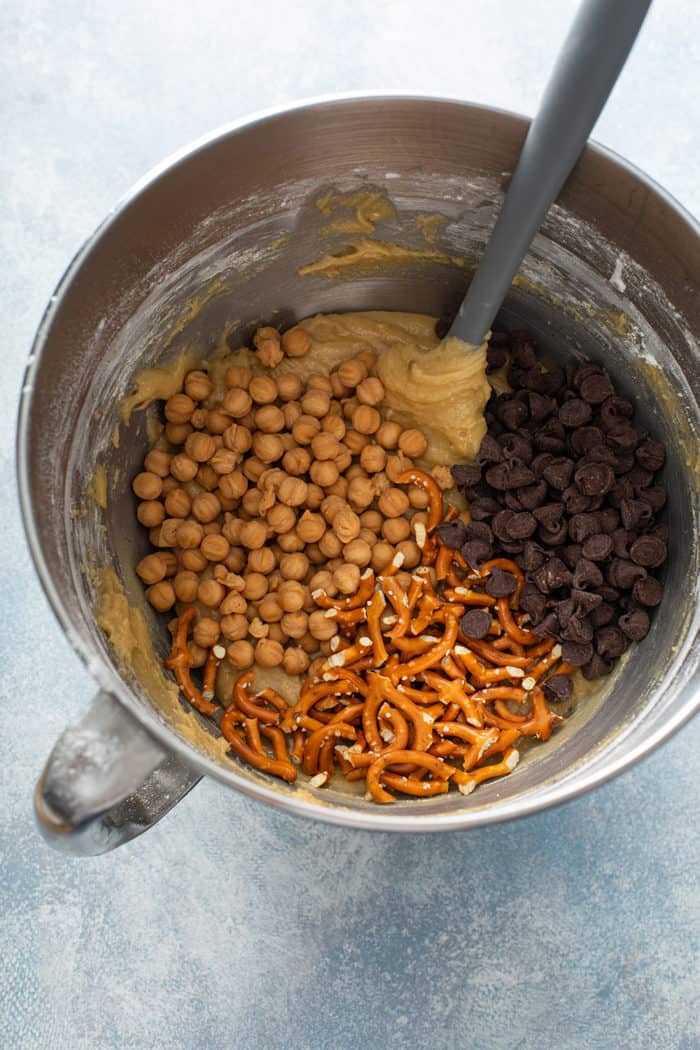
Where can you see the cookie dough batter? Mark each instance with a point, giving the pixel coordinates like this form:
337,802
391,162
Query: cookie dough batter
438,386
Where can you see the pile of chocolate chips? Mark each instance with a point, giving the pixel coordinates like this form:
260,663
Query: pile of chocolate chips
564,485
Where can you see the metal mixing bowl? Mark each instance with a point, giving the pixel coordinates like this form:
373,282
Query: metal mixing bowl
612,276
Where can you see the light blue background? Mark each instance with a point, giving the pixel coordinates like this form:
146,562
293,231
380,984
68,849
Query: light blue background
230,926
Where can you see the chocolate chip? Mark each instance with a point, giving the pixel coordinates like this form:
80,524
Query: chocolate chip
512,547
549,515
465,475
577,629
553,382
639,478
603,614
523,349
489,450
534,604
608,593
478,530
594,479
622,489
512,414
553,537
661,531
574,500
558,687
582,372
575,413
572,554
496,357
499,338
510,475
635,624
610,642
598,547
548,443
608,519
650,455
648,551
519,475
558,473
614,409
596,667
532,496
624,574
636,513
577,653
648,591
480,491
655,496
483,507
624,462
586,438
602,454
540,406
622,541
500,524
564,610
587,574
595,388
521,526
500,583
585,601
532,557
475,623
516,446
529,379
547,627
452,533
497,476
511,501
581,526
540,462
622,437
552,575
476,553
551,437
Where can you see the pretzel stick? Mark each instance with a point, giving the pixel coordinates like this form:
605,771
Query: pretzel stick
467,781
180,662
417,758
361,596
256,758
425,481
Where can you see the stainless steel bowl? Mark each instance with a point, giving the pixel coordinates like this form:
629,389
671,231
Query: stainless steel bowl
613,276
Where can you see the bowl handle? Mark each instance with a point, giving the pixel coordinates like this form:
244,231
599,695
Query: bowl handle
106,781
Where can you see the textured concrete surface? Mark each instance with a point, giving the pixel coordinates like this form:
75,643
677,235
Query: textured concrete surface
228,925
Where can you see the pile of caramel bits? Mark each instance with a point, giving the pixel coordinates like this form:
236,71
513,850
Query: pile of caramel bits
269,491
431,679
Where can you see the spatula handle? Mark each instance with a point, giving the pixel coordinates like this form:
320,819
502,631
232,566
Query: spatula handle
588,65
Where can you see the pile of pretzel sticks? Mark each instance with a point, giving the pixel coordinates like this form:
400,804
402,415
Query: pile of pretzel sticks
408,700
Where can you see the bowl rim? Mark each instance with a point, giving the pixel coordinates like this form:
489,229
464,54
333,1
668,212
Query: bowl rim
371,818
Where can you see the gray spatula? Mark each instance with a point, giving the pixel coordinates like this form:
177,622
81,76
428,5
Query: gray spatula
588,65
